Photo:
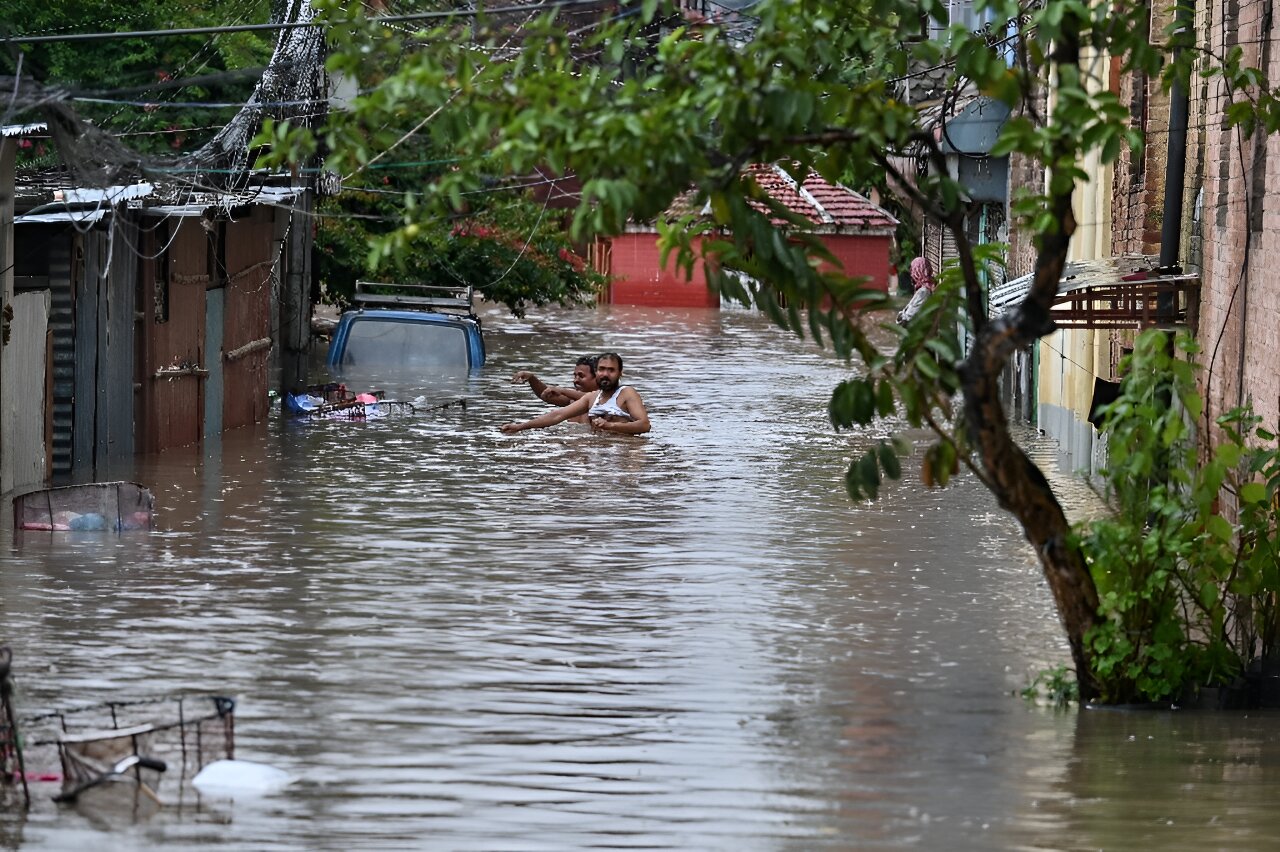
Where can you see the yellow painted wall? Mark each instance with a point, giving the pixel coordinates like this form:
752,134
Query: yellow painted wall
1069,359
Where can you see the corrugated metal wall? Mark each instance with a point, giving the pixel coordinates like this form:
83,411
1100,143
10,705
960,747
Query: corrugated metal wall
104,346
127,376
214,325
113,437
22,418
84,286
246,347
173,285
62,328
126,363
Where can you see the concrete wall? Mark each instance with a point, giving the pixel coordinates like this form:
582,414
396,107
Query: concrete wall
1080,449
639,279
864,255
1071,359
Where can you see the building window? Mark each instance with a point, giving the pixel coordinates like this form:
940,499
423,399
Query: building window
963,13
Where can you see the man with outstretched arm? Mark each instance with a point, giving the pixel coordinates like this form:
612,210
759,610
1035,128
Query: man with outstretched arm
614,407
584,381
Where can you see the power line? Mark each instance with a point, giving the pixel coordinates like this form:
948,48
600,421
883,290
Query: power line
194,104
289,25
213,78
1045,342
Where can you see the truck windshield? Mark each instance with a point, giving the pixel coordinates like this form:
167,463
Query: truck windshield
409,344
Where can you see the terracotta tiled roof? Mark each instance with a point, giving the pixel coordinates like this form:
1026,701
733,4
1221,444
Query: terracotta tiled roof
832,208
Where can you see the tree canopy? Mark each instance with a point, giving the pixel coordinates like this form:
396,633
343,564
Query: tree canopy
165,96
504,244
156,94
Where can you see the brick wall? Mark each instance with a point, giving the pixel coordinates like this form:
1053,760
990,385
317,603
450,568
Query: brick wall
1239,228
1137,213
1225,206
1025,175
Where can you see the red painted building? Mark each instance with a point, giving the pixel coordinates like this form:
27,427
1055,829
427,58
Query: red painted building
856,231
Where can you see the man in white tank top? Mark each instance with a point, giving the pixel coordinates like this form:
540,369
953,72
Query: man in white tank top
614,407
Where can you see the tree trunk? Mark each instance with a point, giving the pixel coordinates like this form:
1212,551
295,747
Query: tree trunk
1023,490
1017,483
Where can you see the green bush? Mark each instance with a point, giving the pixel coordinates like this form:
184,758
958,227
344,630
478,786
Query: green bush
1058,685
1188,597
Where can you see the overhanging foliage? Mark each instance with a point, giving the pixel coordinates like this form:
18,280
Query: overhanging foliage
644,105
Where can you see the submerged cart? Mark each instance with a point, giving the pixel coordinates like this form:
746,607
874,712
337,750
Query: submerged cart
136,741
333,401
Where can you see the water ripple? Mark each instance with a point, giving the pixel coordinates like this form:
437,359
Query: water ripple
458,639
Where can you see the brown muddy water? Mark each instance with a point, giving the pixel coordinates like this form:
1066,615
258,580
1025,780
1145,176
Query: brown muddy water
459,640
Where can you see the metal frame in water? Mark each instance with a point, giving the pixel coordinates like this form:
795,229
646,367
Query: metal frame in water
118,740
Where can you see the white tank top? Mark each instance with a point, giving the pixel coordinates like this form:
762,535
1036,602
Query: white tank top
610,407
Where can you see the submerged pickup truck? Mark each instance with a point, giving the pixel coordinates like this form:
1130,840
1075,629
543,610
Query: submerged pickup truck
414,326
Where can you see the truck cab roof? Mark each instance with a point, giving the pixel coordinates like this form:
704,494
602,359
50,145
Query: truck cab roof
414,326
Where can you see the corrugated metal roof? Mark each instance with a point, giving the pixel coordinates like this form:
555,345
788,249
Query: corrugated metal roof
1108,292
79,217
86,206
89,204
1076,275
23,129
198,204
106,196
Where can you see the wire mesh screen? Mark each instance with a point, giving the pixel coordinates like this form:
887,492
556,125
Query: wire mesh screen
11,763
114,506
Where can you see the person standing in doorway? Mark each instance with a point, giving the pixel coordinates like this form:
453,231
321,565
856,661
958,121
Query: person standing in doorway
922,279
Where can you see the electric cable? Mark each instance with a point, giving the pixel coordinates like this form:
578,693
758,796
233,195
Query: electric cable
543,5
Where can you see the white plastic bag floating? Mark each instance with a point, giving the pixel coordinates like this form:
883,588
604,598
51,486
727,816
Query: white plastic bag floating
240,778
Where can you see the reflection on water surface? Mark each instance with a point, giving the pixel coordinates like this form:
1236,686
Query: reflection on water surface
457,639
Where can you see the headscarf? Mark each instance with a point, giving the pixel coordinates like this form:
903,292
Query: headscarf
922,274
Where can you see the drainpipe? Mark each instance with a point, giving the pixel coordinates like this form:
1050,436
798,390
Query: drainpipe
1175,167
1171,227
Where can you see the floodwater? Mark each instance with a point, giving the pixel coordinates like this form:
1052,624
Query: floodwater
459,640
